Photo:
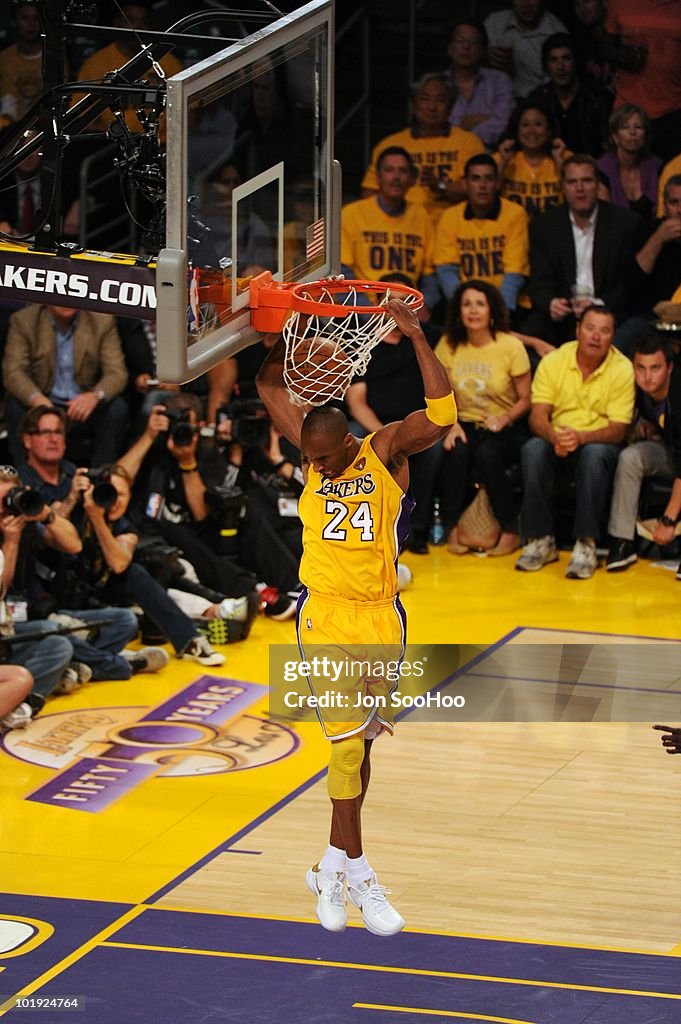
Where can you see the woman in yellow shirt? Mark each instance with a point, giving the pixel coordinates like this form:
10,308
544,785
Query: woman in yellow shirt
530,160
489,371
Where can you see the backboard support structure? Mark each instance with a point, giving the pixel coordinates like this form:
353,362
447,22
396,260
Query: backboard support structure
251,185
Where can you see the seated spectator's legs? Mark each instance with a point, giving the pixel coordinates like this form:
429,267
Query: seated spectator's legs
45,659
102,653
629,332
645,458
538,461
216,571
136,583
423,472
454,490
16,683
491,458
593,481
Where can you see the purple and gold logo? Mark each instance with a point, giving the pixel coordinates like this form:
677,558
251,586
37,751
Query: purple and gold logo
103,753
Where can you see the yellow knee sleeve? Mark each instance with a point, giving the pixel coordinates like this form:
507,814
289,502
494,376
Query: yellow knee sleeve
343,781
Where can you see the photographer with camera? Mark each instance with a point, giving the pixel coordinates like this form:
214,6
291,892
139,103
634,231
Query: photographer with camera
175,478
46,658
96,653
105,574
270,535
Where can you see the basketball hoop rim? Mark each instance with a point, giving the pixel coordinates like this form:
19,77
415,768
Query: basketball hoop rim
302,303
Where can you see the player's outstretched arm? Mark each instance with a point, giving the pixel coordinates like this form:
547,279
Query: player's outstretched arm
287,417
423,428
672,738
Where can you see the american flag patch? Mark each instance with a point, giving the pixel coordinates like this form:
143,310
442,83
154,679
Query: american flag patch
314,239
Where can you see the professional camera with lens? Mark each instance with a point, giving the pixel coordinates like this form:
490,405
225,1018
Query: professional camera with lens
182,430
104,494
22,501
228,506
250,422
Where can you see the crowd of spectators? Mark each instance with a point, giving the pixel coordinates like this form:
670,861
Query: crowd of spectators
535,199
559,231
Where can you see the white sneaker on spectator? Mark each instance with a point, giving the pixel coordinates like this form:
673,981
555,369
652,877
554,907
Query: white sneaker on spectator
199,650
584,560
73,677
17,719
329,888
538,552
233,608
147,659
379,916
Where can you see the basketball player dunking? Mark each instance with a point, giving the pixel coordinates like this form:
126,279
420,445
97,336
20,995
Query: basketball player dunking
355,512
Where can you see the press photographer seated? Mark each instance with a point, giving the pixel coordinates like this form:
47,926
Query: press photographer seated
264,466
177,480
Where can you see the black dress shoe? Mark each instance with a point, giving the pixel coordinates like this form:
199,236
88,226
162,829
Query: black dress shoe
621,555
417,544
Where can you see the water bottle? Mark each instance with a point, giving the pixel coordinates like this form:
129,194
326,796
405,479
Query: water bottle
437,526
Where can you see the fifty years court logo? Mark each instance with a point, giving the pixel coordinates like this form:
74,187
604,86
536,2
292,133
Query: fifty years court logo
103,753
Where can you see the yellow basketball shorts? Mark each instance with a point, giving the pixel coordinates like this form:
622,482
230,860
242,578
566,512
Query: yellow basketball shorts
354,650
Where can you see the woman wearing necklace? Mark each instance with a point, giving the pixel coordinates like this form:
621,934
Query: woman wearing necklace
631,171
489,371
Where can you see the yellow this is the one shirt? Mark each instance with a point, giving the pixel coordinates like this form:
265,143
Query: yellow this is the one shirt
375,243
485,248
445,154
482,376
536,189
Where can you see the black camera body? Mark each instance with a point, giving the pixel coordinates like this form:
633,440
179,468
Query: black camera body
22,501
228,505
250,422
182,430
104,494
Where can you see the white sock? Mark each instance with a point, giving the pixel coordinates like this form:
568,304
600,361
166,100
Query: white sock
333,860
359,869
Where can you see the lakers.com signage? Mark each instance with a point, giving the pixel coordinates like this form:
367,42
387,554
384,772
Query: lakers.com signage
103,282
102,753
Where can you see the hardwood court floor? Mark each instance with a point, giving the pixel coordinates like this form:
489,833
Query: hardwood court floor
563,832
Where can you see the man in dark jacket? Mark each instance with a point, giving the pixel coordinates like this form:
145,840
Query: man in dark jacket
656,452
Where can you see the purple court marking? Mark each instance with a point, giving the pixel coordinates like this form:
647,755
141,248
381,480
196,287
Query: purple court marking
74,922
411,950
576,682
251,853
592,632
136,986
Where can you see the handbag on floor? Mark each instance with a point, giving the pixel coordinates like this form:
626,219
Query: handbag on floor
478,528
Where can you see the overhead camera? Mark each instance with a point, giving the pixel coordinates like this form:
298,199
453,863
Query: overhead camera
182,430
22,501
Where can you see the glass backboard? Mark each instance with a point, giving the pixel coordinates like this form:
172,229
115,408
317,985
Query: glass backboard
251,185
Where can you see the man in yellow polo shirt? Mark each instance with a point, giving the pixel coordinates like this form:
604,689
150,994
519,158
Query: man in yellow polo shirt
582,403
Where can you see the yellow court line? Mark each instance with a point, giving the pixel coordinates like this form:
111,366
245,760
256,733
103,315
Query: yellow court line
311,919
439,1013
72,958
222,954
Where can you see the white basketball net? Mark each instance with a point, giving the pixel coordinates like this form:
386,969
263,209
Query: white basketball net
325,353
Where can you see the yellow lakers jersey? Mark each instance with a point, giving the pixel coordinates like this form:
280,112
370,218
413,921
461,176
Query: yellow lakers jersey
353,528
